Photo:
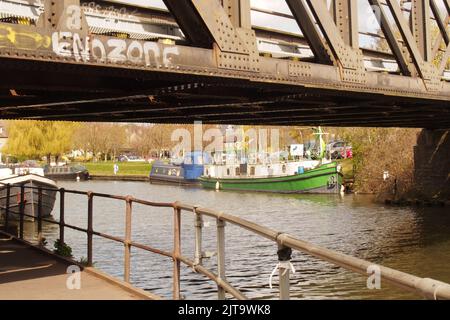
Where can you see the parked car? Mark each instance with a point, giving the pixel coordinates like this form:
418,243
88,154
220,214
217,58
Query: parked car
130,158
339,150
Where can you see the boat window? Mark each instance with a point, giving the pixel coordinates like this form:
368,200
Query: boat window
283,168
228,172
252,171
237,171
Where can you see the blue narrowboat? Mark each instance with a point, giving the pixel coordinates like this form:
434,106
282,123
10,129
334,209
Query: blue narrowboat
186,173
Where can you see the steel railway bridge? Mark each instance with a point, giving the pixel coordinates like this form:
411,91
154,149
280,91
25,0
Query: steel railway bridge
285,62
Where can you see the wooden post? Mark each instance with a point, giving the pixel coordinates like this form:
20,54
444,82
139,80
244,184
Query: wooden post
127,255
21,210
221,256
176,253
90,227
198,238
61,214
8,195
39,216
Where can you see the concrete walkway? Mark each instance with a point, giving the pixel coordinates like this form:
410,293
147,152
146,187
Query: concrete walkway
26,273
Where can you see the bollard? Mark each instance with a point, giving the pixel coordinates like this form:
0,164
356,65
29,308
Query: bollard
127,245
221,256
198,257
284,257
39,215
8,195
176,253
21,210
61,214
90,228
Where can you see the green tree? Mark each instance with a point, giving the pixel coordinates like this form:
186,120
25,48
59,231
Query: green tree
31,139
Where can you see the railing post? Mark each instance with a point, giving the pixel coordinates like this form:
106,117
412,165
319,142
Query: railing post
61,214
90,227
8,195
127,255
21,210
39,215
198,257
176,252
221,256
284,257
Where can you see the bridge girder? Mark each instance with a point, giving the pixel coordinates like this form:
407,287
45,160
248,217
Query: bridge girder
222,53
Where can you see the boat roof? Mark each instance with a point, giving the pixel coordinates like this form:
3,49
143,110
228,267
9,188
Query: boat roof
16,179
165,165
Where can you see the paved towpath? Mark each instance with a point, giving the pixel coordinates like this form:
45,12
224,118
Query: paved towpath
26,273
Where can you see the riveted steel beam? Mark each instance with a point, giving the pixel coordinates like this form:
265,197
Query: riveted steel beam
424,69
442,24
345,53
239,13
226,28
405,66
444,60
220,26
443,35
420,16
190,22
345,14
348,57
305,20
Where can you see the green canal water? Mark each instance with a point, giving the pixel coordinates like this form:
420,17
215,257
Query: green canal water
413,240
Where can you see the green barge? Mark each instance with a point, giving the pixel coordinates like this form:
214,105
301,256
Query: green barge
325,178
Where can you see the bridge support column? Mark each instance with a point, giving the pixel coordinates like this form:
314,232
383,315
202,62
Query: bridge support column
432,164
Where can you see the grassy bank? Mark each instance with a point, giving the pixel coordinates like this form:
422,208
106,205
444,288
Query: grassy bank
125,168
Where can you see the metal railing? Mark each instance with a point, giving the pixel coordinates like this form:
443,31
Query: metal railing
426,287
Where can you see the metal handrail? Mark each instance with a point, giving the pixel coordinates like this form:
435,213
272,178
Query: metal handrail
428,288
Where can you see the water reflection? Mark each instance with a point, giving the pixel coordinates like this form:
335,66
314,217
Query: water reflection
414,240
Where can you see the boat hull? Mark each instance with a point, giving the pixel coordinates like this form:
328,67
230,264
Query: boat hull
325,179
72,176
178,181
30,196
180,175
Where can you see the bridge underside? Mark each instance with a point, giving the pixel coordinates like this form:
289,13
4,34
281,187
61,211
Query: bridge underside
56,65
80,93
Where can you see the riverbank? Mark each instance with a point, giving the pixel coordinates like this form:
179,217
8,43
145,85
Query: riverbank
119,177
126,169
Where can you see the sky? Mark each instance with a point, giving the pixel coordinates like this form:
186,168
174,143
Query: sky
365,12
262,19
368,22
